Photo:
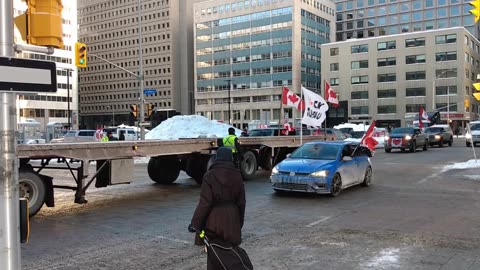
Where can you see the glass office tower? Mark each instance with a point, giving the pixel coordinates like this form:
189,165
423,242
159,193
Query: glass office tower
370,18
245,51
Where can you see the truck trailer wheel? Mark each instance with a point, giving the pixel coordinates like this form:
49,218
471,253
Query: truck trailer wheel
197,166
248,166
33,189
164,170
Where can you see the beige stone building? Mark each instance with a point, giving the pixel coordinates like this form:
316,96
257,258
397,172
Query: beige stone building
388,78
249,49
110,28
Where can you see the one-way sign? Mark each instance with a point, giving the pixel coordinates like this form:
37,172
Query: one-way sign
25,75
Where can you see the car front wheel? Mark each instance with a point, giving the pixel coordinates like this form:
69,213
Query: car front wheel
367,180
450,142
336,188
425,146
414,147
388,150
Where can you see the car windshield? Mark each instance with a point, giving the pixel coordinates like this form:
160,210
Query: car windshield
261,132
346,130
317,151
475,127
357,134
434,130
402,130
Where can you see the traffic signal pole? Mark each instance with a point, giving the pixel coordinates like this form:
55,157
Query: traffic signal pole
9,198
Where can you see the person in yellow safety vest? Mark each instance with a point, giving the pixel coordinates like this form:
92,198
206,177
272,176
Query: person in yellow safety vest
105,138
231,141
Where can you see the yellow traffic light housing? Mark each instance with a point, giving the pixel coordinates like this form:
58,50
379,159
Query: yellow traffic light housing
134,109
476,9
150,109
80,54
42,23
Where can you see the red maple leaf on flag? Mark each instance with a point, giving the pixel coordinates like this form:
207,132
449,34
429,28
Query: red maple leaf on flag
293,98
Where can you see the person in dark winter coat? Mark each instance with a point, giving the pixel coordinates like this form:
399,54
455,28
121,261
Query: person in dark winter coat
221,209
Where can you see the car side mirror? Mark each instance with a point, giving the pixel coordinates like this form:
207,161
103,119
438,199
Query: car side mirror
288,155
347,158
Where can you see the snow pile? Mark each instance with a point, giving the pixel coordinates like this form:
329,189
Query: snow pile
355,127
189,126
472,163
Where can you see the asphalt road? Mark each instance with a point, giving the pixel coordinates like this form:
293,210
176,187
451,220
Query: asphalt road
414,216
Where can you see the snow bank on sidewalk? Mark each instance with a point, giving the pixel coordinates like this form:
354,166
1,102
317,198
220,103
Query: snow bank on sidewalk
472,163
189,126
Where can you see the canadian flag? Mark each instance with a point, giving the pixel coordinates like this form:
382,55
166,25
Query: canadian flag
291,99
331,96
368,139
422,115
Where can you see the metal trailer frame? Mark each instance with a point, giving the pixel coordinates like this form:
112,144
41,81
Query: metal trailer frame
267,151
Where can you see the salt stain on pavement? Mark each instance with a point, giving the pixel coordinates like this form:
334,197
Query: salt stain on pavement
386,259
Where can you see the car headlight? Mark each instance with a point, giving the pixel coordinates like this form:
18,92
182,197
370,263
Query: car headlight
408,137
275,170
438,137
323,173
387,138
468,136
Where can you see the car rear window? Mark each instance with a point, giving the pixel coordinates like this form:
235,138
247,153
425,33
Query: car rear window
402,130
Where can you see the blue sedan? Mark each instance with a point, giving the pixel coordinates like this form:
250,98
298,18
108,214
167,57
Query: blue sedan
324,168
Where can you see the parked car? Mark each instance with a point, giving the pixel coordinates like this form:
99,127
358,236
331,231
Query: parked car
338,135
439,134
474,135
262,132
83,135
406,138
323,167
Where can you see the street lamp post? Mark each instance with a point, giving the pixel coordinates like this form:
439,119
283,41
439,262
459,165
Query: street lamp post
229,101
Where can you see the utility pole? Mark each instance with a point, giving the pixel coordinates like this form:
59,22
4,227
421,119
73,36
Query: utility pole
9,197
141,77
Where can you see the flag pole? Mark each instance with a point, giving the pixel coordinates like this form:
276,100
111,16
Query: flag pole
281,107
325,128
301,115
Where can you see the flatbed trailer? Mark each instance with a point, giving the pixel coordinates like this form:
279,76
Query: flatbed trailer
114,162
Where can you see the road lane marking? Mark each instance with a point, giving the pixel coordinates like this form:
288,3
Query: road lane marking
318,221
424,180
174,239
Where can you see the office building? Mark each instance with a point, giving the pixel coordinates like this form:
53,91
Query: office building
111,31
371,18
246,50
388,78
53,107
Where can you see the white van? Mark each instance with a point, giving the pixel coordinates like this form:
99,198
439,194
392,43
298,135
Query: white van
130,134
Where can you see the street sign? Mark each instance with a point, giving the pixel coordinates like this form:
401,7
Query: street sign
149,91
144,124
25,75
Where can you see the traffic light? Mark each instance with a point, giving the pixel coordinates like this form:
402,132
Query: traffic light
134,109
80,54
150,108
477,87
42,23
476,9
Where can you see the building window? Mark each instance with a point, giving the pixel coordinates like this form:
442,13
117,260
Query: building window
333,51
360,64
445,90
359,48
415,59
334,67
446,56
383,109
383,62
445,39
415,42
359,95
390,77
360,110
389,45
359,79
413,108
446,73
415,92
443,107
415,75
387,93
334,81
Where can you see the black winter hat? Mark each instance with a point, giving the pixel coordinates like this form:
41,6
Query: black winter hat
224,153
